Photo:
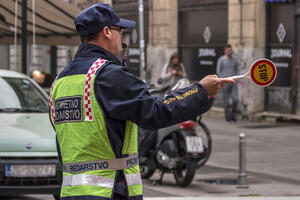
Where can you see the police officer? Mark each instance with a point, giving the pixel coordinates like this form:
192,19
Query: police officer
96,106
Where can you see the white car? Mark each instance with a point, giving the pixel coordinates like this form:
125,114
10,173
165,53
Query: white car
29,162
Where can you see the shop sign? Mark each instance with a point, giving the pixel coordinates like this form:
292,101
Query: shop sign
207,34
203,60
134,36
280,33
207,56
133,60
282,58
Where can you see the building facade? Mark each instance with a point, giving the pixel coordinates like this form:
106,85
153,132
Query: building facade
282,46
199,29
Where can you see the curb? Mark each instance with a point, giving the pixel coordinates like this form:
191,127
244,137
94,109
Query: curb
266,116
215,112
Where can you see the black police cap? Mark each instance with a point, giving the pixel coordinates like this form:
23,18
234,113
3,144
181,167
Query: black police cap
96,17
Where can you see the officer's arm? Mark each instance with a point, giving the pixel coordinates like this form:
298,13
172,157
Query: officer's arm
123,96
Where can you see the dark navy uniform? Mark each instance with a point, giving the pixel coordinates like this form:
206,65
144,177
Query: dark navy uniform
123,96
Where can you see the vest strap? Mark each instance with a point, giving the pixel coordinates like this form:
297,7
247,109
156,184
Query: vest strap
87,89
113,164
51,106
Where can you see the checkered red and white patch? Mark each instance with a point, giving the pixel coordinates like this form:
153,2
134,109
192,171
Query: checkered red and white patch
50,101
87,89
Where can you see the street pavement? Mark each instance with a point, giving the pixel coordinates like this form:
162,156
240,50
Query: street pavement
272,149
273,165
272,155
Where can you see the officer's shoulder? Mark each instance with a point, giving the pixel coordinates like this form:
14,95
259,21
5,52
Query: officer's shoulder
112,68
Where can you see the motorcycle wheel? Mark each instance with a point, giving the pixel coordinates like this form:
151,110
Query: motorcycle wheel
207,144
185,172
184,175
145,168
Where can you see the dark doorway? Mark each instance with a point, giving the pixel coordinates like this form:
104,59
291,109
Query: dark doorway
280,49
202,35
296,73
129,9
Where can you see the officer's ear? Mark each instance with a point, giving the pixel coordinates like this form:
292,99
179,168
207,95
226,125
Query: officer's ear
106,32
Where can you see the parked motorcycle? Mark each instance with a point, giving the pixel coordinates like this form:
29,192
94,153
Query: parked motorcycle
177,149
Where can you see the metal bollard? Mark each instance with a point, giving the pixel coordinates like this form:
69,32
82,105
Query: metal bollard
242,178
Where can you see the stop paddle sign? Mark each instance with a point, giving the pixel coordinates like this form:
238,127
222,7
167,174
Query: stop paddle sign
262,72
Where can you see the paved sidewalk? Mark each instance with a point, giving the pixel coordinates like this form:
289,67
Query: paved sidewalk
271,148
273,164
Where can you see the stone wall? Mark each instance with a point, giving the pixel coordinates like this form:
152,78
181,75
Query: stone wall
162,43
83,4
246,33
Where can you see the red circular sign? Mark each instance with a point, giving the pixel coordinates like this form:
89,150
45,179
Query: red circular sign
263,72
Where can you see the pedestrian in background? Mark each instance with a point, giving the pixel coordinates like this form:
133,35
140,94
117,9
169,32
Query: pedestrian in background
228,66
172,71
96,105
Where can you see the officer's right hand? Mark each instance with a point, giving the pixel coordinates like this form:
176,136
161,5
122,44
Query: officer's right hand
212,84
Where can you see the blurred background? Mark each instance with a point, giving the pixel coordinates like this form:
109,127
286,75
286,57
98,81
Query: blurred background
43,30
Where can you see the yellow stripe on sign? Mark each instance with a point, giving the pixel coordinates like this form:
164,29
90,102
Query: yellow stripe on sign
263,73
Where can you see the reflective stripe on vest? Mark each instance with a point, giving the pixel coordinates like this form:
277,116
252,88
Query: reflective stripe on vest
87,179
114,164
133,179
95,180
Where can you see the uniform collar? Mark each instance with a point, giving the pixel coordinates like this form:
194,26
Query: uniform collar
90,50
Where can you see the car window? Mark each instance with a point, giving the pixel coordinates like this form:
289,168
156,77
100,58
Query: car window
20,95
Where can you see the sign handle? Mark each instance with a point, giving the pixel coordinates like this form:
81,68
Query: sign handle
238,77
262,72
